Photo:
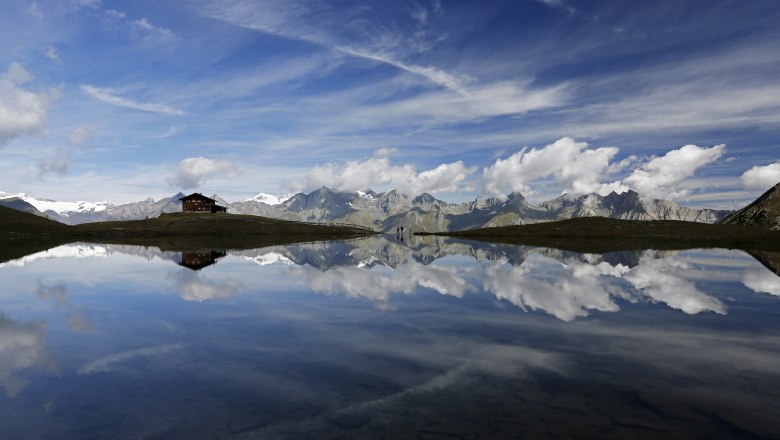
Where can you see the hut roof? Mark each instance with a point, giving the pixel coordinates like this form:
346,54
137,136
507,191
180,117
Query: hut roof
197,196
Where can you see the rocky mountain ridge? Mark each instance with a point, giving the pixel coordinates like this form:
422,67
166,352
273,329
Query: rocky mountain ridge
764,211
391,209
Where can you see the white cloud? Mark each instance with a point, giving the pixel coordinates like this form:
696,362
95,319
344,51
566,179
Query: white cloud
172,130
762,281
761,177
661,176
21,348
663,280
376,41
572,289
113,14
22,112
442,107
57,165
451,81
107,95
51,52
158,33
582,170
379,285
559,4
110,362
192,171
578,168
315,23
86,4
378,170
80,135
191,287
35,10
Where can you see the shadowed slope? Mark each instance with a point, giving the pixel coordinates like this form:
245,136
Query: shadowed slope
765,211
600,234
22,233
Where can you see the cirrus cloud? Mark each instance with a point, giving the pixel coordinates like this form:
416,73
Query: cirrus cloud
109,97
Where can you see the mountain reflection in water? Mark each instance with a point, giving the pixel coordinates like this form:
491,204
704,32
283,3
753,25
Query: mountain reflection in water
377,337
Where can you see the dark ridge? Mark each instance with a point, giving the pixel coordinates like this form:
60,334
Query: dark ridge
601,234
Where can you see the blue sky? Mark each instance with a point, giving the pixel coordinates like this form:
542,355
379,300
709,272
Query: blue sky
123,100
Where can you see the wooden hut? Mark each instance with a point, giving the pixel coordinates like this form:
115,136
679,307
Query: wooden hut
197,202
197,260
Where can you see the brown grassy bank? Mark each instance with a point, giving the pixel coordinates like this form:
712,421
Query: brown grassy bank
22,233
600,234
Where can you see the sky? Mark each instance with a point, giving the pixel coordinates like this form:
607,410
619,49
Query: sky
125,100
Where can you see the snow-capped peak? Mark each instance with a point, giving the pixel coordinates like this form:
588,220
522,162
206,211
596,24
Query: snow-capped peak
61,208
269,199
78,250
367,194
270,258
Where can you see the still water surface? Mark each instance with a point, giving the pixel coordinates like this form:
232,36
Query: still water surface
376,338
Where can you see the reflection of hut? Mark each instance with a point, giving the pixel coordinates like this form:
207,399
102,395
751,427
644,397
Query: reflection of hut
197,202
197,260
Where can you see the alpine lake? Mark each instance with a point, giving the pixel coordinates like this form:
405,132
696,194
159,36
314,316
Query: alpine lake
388,337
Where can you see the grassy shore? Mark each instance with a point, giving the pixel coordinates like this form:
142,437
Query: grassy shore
22,233
600,234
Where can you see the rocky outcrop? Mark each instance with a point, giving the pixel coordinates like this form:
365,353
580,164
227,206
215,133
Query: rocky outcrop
764,211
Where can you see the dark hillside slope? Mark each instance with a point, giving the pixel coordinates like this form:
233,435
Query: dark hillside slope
17,224
22,233
765,211
601,234
20,205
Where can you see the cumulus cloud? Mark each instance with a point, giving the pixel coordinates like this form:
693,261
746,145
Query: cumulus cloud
663,281
22,112
86,4
378,170
108,96
567,295
58,293
578,168
661,176
378,285
80,135
35,10
21,347
192,171
190,287
52,53
761,177
114,15
762,281
57,165
575,167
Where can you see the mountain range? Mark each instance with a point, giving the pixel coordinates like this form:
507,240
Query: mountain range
387,210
